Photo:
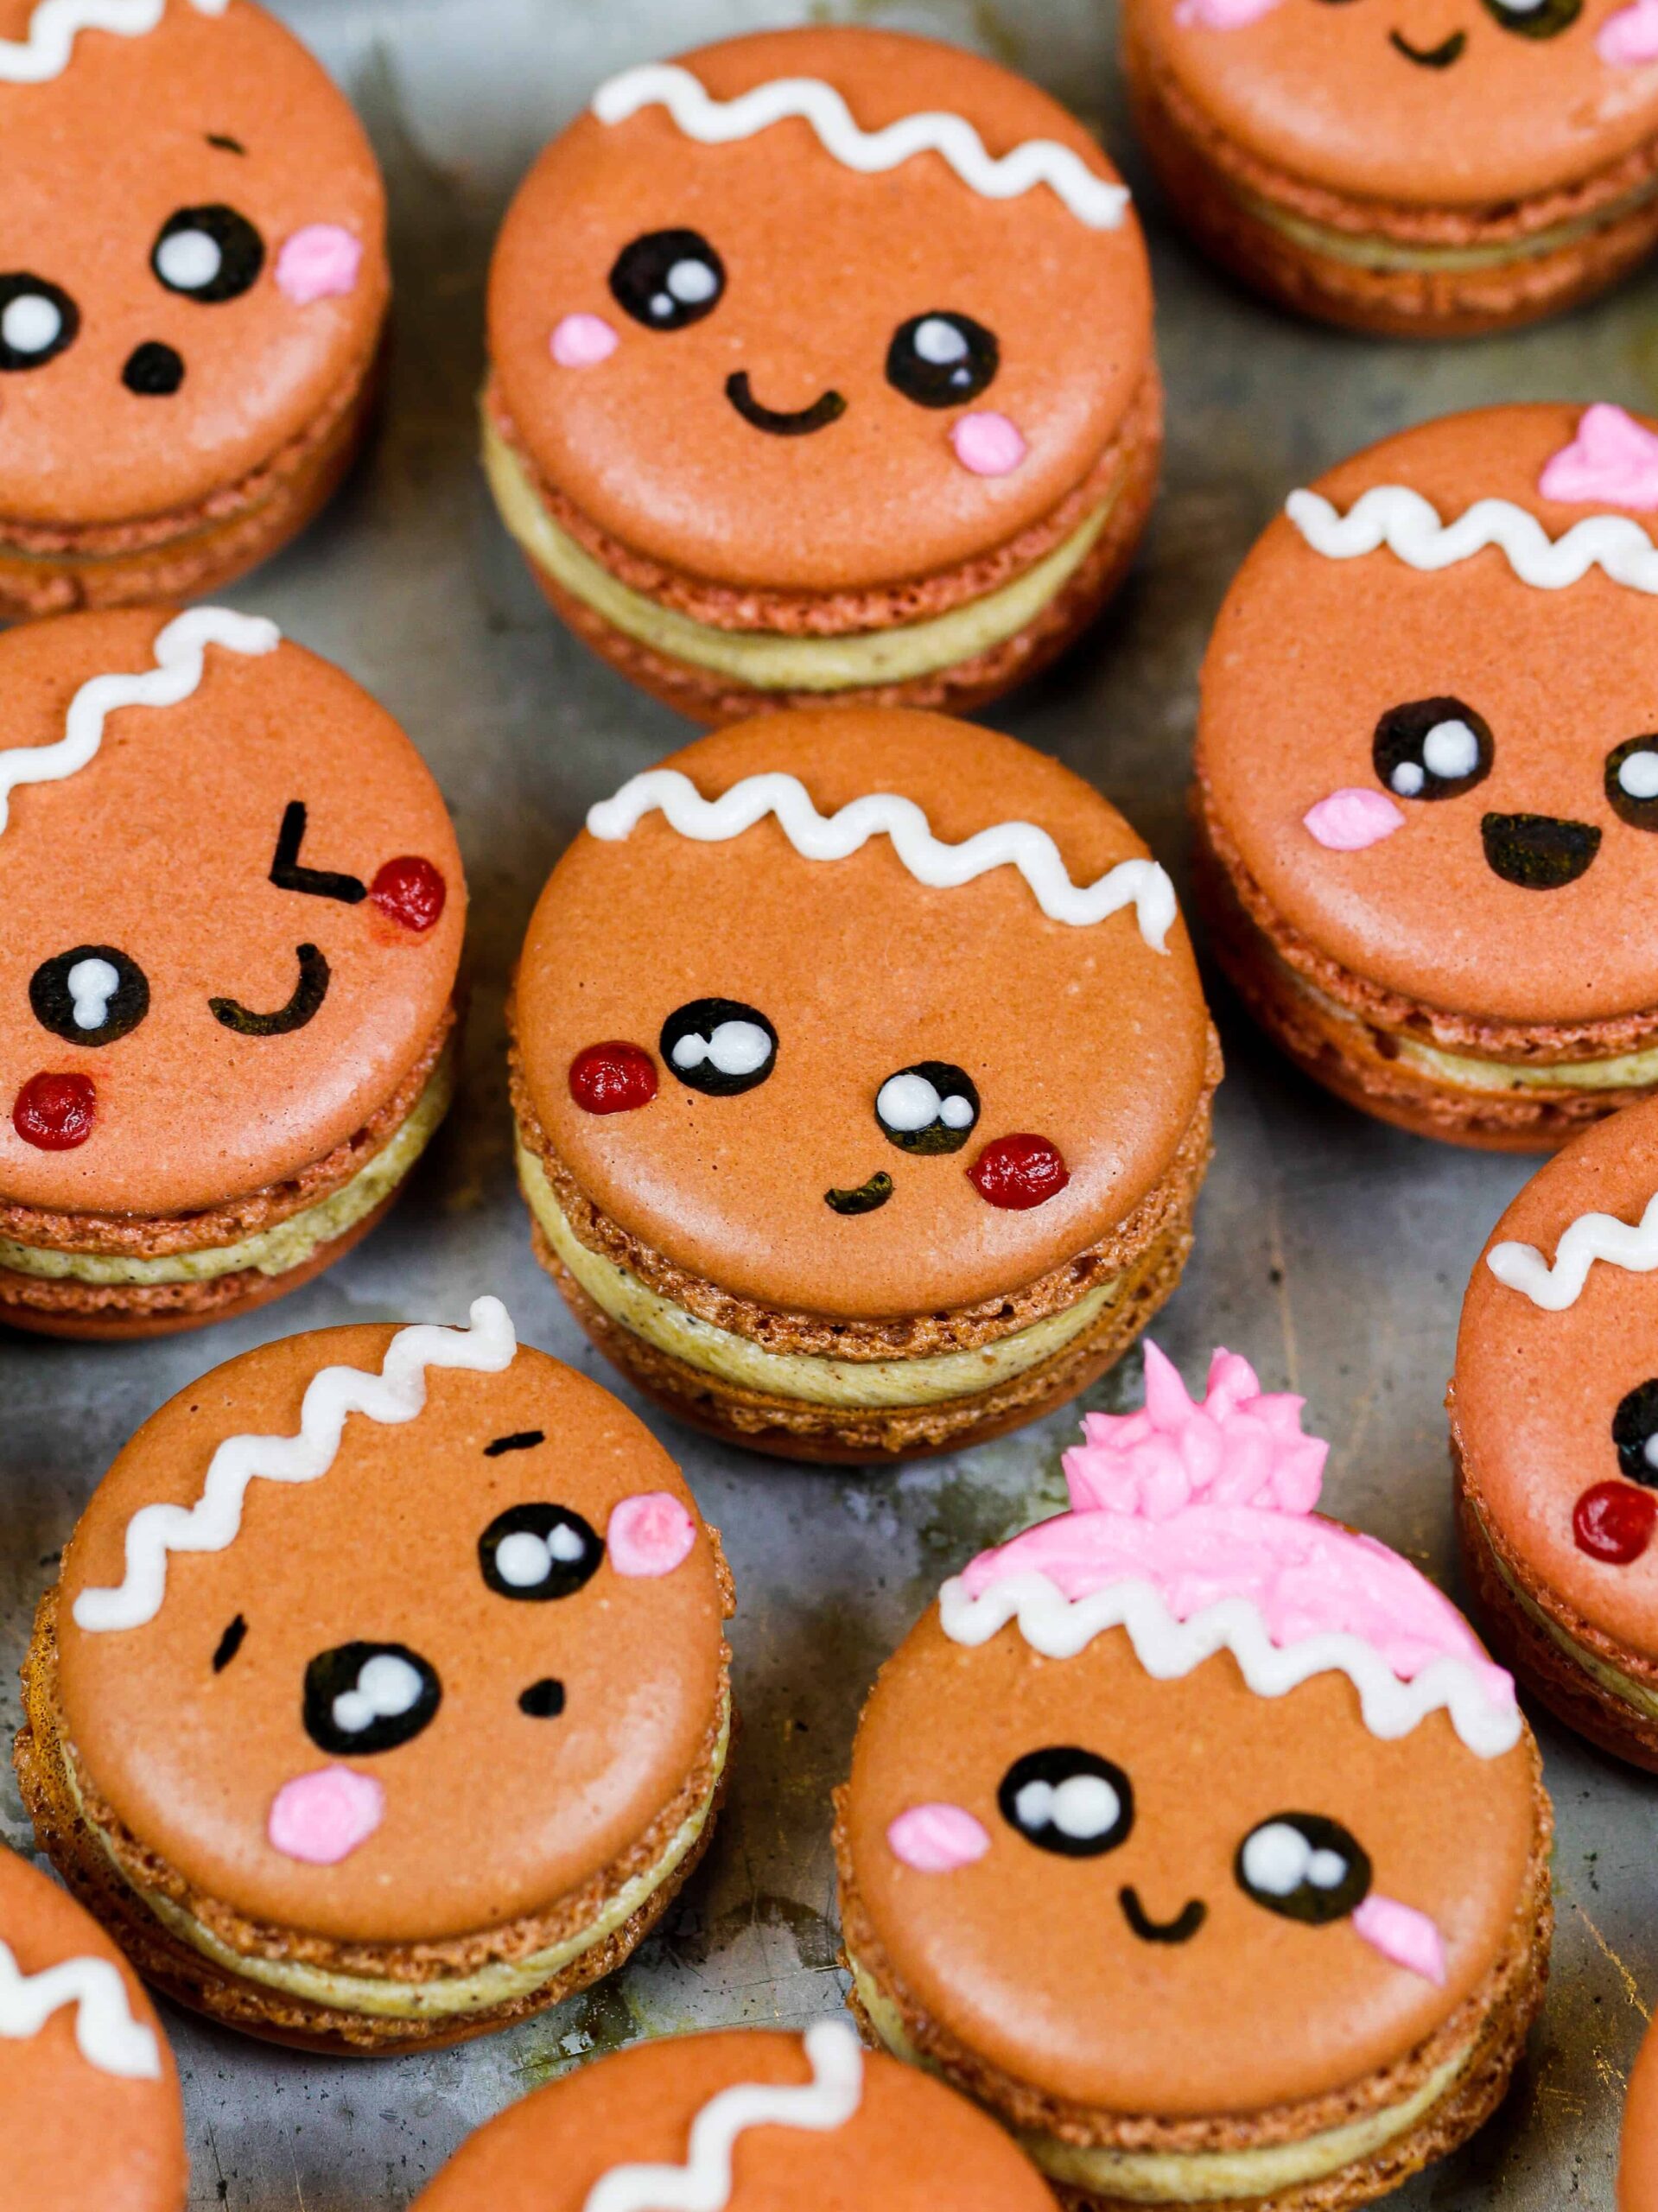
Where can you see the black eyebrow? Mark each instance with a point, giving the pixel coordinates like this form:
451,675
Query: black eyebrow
229,1643
286,873
225,143
522,1440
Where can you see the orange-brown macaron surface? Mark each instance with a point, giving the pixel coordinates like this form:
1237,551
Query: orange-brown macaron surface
1637,2170
90,2116
754,2121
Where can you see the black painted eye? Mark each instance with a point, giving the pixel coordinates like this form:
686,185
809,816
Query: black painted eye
209,254
1432,748
1068,1801
89,996
1632,782
1305,1866
719,1046
667,279
361,1698
538,1551
1534,18
1635,1431
930,1107
37,320
941,359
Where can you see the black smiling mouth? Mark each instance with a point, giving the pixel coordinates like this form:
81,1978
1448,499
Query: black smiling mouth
1430,57
827,408
1538,852
1181,1929
864,1199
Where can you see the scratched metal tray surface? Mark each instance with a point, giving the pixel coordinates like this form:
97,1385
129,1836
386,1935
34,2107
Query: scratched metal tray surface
1332,1252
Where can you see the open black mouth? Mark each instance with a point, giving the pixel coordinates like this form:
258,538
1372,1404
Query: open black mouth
1181,1929
1430,57
827,408
864,1199
1538,852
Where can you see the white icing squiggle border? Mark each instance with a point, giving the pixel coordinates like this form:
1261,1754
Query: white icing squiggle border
55,25
1408,525
703,2184
396,1394
815,836
180,662
1091,199
1592,1236
1059,1627
106,2034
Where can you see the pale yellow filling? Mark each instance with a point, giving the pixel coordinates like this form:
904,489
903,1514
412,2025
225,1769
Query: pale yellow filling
1194,2176
1373,251
1636,1695
811,1377
272,1251
767,660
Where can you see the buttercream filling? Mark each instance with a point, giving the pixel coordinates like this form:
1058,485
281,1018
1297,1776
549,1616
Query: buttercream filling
446,1996
1194,2176
767,660
813,1378
1376,250
271,1251
1613,1680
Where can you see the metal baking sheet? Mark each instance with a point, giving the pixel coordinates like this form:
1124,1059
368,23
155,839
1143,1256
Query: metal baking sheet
1331,1251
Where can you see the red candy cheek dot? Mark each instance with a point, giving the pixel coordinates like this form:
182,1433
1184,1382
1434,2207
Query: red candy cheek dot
1613,1522
612,1079
55,1113
1019,1173
410,892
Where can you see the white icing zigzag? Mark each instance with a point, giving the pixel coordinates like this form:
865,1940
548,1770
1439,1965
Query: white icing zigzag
1060,1627
396,1394
56,24
1093,201
815,836
1592,1236
1402,520
107,2035
180,662
703,2184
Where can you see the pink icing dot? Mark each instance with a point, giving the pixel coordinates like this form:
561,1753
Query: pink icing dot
649,1535
1350,819
581,341
1409,1938
990,444
322,1817
1221,15
1613,459
321,262
1631,37
937,1839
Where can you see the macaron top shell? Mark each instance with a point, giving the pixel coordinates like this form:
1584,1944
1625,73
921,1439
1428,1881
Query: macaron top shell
819,268
80,2132
1423,103
1329,675
910,2144
1082,1036
528,1716
1545,1400
201,187
1637,2167
156,858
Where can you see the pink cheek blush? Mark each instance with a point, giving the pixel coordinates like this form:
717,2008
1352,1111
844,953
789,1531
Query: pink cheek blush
937,1839
650,1535
1613,459
1631,37
581,341
1401,1934
321,1818
1349,820
1221,15
988,444
321,262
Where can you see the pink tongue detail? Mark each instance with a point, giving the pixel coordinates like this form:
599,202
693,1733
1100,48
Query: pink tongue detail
1629,37
649,1535
321,1818
321,262
988,444
1221,15
1349,820
937,1839
581,341
1613,459
1403,1934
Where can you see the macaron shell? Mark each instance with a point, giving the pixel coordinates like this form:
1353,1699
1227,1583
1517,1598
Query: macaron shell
911,2145
1085,1036
93,163
490,1813
75,2138
1320,91
162,846
823,266
1637,2169
1309,652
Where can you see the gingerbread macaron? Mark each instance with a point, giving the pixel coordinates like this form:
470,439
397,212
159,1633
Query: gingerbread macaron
1637,2165
234,909
1428,775
1195,1835
90,2117
382,1699
192,288
821,368
1420,168
1555,1434
862,1081
747,2120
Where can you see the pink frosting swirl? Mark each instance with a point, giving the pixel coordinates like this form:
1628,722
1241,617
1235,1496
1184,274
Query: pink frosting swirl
1351,818
1613,461
1629,37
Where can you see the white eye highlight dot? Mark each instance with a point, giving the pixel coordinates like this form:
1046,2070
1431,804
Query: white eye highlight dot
1033,1805
735,1048
189,260
524,1560
1085,1805
909,1103
1407,779
939,341
1649,1450
91,984
956,1112
1326,1870
691,282
386,1687
31,323
1450,750
565,1544
1276,1859
1637,777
